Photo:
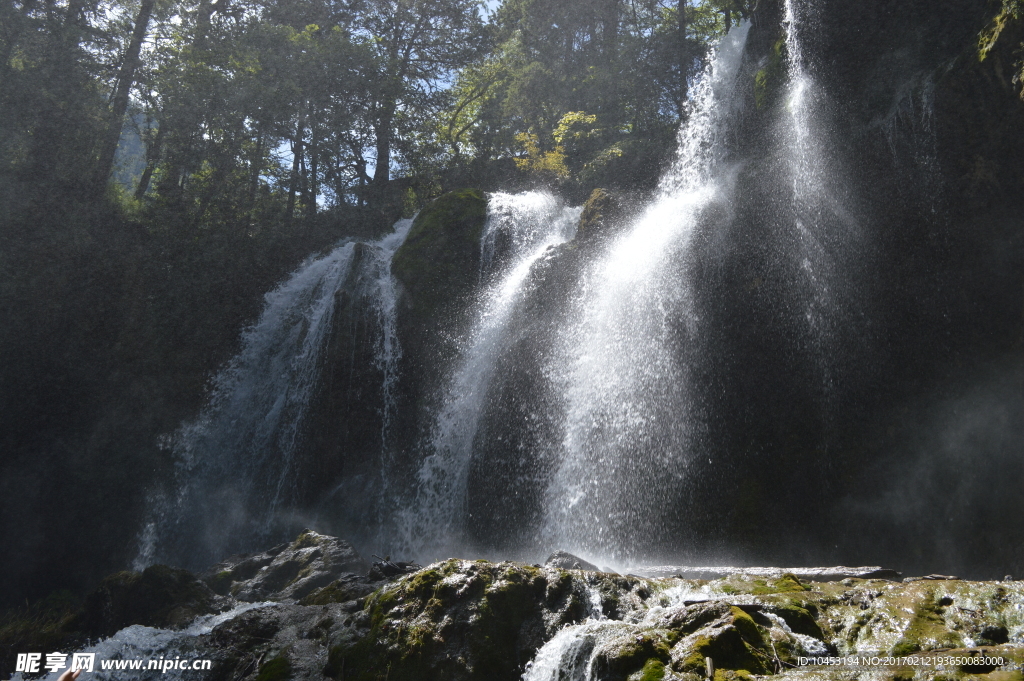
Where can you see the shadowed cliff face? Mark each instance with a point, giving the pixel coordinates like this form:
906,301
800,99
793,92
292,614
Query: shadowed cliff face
919,244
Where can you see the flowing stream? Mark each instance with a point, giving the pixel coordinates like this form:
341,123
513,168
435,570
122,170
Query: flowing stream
151,645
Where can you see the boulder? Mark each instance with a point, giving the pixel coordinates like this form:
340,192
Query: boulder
160,596
567,561
602,212
291,571
440,260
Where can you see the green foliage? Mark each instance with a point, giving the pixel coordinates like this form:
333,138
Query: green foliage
440,258
1006,31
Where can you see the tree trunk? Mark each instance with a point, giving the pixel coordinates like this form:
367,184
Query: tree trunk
122,91
152,158
382,130
296,159
682,46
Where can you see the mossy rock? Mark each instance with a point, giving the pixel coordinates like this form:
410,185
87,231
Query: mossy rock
798,618
927,629
601,211
784,584
160,596
637,656
348,588
220,583
453,620
439,262
727,635
276,669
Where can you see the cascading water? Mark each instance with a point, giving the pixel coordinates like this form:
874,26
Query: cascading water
818,214
147,644
236,463
575,652
623,361
519,230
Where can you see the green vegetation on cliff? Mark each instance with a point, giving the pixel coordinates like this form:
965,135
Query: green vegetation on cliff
440,259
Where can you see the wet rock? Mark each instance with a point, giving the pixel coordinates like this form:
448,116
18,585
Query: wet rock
460,620
602,213
726,634
567,561
347,588
310,562
811,574
440,260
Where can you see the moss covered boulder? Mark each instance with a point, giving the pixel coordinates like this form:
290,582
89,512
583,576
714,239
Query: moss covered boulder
160,596
602,211
468,620
292,571
440,260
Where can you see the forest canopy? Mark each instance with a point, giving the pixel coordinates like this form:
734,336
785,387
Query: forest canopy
218,114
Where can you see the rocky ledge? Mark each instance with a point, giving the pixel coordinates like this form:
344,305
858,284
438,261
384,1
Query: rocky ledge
313,609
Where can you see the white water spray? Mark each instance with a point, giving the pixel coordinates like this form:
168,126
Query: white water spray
524,226
629,418
150,644
236,462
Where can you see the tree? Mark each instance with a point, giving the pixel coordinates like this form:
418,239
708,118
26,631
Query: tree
416,44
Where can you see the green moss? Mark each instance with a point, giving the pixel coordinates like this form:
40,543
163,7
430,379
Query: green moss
220,583
277,669
798,618
927,630
305,540
732,675
654,670
733,642
335,592
440,259
638,656
784,584
767,80
745,624
599,211
423,583
694,660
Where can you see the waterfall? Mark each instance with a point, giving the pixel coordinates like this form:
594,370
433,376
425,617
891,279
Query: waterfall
236,464
622,364
519,230
820,222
